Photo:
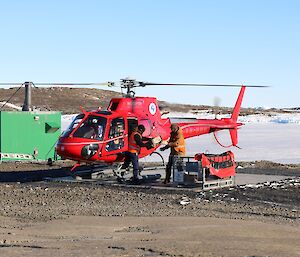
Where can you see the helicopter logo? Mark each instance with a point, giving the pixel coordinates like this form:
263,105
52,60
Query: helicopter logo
152,108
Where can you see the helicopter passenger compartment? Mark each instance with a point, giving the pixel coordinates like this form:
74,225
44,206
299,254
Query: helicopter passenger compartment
132,123
147,124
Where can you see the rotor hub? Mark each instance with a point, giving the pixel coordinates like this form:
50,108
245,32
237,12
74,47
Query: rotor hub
129,84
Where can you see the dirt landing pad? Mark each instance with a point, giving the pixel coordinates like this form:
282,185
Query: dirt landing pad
89,219
155,236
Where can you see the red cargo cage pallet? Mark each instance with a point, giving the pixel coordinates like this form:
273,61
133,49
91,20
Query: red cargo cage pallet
209,171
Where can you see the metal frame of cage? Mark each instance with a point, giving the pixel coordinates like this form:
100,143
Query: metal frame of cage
196,175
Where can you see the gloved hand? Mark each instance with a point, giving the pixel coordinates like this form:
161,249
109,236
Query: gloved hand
164,148
156,140
149,145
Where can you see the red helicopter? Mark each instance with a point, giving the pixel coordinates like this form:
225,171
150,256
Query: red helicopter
102,135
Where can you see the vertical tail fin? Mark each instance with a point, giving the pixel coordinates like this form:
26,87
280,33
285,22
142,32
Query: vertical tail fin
234,136
237,107
235,115
233,130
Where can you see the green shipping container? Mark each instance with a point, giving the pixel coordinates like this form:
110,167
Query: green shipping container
29,135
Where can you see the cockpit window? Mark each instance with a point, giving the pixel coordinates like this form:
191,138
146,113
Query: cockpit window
117,129
93,127
73,125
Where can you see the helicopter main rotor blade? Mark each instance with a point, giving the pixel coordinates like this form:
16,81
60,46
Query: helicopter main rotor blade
109,84
194,85
11,84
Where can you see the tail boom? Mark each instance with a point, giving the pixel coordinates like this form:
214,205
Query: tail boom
205,126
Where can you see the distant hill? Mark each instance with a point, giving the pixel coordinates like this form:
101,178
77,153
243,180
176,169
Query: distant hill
68,100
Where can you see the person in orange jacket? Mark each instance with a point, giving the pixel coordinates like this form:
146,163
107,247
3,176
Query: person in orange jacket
135,143
177,145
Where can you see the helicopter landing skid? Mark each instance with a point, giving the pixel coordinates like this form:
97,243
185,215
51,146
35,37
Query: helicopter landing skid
145,179
121,173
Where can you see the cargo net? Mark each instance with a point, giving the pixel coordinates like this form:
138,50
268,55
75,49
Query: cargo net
219,165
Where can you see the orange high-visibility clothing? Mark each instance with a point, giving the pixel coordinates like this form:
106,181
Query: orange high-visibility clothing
177,143
133,147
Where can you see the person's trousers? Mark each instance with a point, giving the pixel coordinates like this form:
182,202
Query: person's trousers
170,165
134,159
169,168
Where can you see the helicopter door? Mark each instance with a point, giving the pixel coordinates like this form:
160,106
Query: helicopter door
117,141
147,126
132,123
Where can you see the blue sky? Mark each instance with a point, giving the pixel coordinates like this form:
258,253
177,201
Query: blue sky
216,41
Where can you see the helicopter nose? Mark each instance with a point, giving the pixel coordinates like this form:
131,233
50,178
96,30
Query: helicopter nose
67,151
71,149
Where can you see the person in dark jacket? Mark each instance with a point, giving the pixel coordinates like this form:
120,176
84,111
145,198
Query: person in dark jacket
135,143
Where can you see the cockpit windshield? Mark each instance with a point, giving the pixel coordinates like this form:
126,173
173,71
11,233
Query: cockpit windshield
73,125
93,127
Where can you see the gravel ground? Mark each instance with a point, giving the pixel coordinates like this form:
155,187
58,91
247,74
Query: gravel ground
39,218
47,201
42,201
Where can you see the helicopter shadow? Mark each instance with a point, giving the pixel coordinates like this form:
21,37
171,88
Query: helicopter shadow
24,176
